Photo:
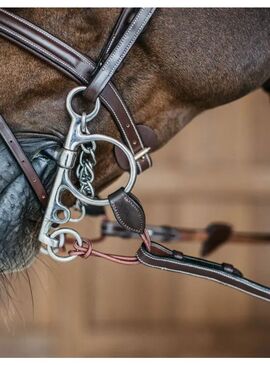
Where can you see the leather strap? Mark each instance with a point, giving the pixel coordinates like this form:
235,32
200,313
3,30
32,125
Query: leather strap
79,68
119,28
114,59
128,211
23,162
162,258
212,236
164,234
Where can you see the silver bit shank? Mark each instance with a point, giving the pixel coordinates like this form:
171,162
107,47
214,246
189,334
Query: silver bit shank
57,213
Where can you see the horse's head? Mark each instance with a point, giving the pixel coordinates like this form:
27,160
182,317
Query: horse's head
185,62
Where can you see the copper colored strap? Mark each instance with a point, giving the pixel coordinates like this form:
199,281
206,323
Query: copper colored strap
87,250
23,162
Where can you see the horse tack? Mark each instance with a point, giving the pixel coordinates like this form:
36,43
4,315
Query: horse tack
80,146
24,163
80,68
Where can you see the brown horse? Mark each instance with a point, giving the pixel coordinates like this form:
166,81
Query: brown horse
187,61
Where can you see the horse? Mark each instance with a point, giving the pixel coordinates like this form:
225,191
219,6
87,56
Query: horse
187,61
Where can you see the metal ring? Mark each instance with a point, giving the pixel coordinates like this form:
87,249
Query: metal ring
89,151
83,123
71,111
62,231
44,250
132,163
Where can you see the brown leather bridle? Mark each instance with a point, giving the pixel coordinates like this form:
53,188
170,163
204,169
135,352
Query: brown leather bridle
139,139
80,68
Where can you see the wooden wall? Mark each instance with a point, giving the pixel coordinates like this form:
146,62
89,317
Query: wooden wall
217,168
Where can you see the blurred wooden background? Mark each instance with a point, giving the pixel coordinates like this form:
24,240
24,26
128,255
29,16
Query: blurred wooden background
217,168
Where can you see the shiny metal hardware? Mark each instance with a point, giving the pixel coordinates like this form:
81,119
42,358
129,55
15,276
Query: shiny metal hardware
78,145
142,153
61,232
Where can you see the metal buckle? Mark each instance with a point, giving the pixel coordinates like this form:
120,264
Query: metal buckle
142,153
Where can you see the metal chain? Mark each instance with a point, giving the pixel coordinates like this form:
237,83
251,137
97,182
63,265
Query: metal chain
87,162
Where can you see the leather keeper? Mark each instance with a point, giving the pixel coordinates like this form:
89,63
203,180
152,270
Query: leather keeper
149,139
128,211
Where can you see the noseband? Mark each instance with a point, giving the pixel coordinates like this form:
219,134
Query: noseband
132,153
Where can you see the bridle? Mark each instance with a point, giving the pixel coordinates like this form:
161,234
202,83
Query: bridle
77,157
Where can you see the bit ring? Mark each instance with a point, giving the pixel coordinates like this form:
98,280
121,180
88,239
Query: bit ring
62,232
132,174
71,111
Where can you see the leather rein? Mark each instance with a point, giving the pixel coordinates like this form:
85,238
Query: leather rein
132,154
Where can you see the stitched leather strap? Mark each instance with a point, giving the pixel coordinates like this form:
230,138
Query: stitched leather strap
128,211
119,28
23,162
161,257
106,71
76,66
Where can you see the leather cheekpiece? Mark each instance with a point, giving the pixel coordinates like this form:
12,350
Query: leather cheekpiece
23,162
